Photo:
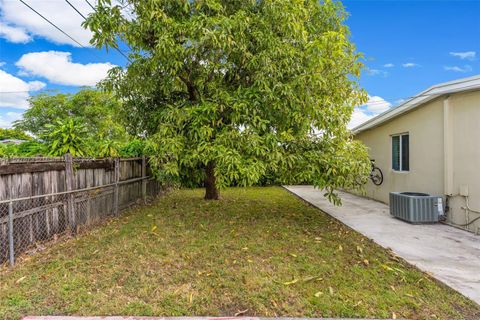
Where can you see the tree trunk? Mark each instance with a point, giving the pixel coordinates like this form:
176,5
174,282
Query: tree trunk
211,190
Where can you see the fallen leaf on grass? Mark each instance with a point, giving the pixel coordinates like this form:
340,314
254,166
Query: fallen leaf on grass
330,289
20,280
394,256
399,270
359,249
340,248
387,268
394,316
154,228
290,282
318,294
365,262
311,278
293,255
239,313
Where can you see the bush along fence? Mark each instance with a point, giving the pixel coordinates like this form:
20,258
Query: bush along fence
42,198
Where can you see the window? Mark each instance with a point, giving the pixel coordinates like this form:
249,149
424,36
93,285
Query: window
400,152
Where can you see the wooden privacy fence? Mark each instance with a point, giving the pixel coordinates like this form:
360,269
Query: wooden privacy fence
41,198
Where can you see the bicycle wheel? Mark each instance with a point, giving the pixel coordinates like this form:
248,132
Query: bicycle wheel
376,176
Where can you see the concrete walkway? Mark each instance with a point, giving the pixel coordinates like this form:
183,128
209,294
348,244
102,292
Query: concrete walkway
448,254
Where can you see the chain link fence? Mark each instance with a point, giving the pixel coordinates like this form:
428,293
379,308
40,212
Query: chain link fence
28,223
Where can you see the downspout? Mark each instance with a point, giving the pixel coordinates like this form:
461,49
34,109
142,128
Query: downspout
447,156
447,148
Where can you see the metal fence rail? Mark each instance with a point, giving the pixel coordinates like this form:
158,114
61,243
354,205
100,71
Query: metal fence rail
27,222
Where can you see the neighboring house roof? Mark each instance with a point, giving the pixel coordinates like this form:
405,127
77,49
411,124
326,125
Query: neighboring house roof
465,84
12,141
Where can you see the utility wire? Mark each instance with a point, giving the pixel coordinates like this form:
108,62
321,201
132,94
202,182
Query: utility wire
73,7
51,23
66,34
85,18
93,8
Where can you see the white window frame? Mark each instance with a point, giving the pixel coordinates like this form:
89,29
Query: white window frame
400,147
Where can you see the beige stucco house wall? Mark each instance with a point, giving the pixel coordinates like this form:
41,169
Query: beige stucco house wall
443,124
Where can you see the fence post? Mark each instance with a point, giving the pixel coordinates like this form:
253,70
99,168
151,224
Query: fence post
115,190
10,234
144,180
69,183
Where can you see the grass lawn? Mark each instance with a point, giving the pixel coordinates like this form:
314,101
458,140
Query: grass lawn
258,251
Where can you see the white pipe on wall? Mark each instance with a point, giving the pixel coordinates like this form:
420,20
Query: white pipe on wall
467,212
447,148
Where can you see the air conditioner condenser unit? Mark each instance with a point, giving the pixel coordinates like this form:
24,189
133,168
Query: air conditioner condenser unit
416,207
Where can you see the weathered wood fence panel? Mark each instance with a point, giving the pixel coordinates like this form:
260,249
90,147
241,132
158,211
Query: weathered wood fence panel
44,197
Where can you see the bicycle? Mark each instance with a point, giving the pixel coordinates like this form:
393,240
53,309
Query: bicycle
376,174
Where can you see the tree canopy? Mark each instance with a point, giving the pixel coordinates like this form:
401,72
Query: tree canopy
14,134
228,90
95,110
87,123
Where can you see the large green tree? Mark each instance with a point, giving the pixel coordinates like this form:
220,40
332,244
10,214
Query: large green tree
228,90
13,134
95,110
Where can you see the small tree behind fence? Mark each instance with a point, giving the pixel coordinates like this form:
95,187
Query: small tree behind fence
41,198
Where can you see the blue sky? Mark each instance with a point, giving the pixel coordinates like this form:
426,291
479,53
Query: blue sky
408,46
427,42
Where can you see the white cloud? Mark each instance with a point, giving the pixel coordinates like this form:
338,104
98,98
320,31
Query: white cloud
376,72
20,17
14,34
388,65
465,68
36,85
14,91
410,65
57,67
374,106
8,118
358,117
59,12
2,63
469,55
